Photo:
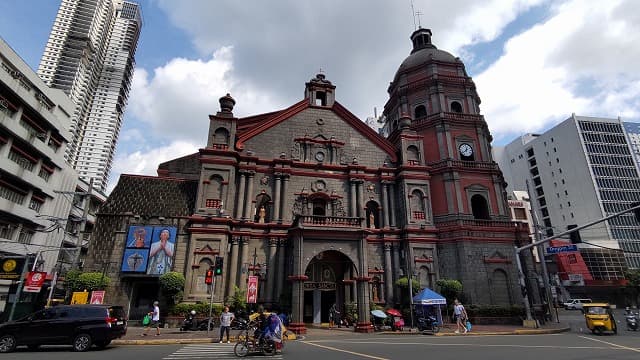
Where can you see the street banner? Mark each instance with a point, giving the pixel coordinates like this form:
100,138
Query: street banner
11,268
34,282
252,290
79,297
97,296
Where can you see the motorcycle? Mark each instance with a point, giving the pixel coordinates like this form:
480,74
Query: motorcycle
189,322
428,323
267,340
632,321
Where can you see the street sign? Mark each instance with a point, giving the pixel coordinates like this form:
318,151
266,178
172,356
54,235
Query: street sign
252,290
561,249
35,279
97,296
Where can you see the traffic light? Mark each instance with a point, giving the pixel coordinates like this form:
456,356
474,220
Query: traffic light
574,236
218,267
208,279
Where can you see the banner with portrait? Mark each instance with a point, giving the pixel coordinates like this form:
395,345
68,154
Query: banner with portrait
162,250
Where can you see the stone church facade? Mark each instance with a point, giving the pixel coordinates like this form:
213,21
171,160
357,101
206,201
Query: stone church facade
324,210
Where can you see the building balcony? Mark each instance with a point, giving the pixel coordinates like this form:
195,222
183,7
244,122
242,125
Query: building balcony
328,221
459,221
451,163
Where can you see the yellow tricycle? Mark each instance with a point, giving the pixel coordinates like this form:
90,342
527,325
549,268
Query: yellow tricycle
599,318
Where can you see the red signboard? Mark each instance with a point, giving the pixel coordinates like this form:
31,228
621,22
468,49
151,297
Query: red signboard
252,290
34,282
97,296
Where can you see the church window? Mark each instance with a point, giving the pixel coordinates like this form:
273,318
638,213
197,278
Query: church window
319,207
221,139
413,155
213,192
479,207
420,111
417,205
456,107
321,98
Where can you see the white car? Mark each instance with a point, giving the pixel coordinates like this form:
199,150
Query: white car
575,304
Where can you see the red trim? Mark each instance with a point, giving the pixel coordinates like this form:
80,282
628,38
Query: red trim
376,271
37,198
32,123
423,260
47,169
23,153
11,106
362,278
13,187
280,117
298,278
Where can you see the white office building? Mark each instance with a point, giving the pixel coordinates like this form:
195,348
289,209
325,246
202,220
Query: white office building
34,131
90,56
580,171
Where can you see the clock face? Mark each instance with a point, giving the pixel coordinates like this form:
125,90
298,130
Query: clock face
466,149
319,156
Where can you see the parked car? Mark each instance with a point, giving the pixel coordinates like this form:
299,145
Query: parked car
576,304
77,325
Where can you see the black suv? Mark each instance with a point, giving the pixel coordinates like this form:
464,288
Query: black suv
78,325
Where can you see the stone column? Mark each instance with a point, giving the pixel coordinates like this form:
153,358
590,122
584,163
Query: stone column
276,200
297,303
240,201
249,198
392,195
396,275
352,199
360,201
271,268
388,278
233,266
280,274
285,201
244,264
363,325
385,205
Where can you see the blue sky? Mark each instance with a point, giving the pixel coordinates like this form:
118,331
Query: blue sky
534,62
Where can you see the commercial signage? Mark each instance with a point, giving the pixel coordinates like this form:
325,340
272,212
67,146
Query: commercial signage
561,249
79,297
97,297
34,282
252,290
11,268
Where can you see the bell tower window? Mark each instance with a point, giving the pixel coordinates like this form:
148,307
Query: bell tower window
456,107
420,111
321,98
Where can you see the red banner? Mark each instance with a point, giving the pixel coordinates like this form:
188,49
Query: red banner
97,297
252,290
34,282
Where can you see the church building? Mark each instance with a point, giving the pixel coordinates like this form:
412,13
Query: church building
309,206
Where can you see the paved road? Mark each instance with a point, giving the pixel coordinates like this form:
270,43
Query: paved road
569,345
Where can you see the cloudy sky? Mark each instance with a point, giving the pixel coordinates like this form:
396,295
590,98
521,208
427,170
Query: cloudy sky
534,62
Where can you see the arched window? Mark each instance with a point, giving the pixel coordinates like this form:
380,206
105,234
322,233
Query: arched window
213,192
480,207
420,111
456,107
413,155
263,209
221,139
417,205
319,207
500,288
372,217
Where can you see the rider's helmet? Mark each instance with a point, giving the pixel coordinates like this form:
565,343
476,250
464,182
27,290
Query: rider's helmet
627,309
193,312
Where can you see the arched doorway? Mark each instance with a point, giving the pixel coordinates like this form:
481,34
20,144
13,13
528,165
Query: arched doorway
329,274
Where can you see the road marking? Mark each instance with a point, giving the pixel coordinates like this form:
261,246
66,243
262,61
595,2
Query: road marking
207,351
463,344
345,351
610,343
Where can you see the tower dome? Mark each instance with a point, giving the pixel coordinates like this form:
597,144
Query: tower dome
423,51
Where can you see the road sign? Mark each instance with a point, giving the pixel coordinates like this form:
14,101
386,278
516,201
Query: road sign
561,249
35,279
252,290
97,296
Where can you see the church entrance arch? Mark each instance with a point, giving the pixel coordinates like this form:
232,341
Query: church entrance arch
326,285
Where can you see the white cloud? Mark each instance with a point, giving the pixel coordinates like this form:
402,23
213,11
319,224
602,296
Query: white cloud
571,63
145,162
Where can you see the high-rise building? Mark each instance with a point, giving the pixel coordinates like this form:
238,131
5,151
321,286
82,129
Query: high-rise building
90,56
34,131
580,171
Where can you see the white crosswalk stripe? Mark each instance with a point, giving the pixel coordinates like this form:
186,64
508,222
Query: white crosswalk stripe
207,351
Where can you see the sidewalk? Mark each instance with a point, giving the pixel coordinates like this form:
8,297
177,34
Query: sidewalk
175,336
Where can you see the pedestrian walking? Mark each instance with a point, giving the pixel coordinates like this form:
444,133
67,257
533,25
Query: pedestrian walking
226,317
461,317
155,320
334,315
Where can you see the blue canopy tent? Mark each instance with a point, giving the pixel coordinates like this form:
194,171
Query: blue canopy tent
430,301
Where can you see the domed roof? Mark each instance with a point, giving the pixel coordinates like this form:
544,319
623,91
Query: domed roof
424,50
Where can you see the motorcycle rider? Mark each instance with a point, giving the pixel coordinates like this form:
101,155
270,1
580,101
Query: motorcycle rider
631,318
189,321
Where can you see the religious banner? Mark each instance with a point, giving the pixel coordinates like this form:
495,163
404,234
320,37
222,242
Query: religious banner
97,296
252,290
79,297
34,282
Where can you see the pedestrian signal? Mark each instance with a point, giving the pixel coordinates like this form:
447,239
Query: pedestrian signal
218,267
208,279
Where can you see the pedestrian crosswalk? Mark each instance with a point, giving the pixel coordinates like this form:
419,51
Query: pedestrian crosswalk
207,351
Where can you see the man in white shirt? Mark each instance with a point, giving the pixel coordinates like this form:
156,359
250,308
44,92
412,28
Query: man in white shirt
155,320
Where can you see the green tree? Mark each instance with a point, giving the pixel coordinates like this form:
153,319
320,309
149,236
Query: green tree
79,281
633,284
450,289
172,286
237,301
